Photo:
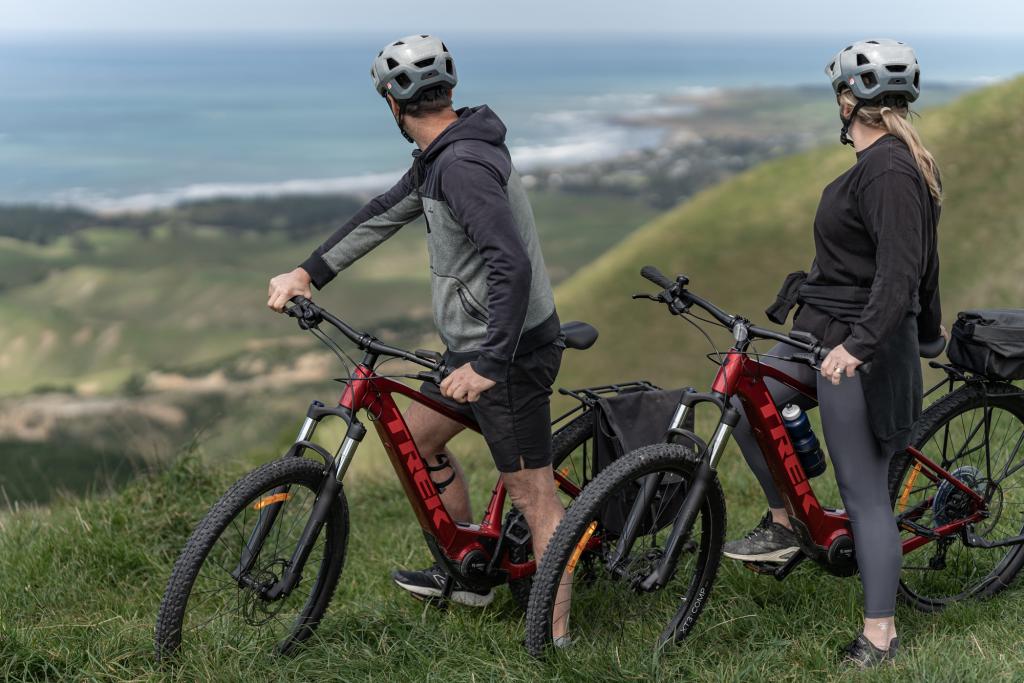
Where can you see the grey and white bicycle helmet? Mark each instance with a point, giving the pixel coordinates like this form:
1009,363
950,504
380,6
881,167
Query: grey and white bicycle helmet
874,68
410,65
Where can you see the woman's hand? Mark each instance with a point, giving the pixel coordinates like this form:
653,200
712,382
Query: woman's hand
836,363
285,286
945,333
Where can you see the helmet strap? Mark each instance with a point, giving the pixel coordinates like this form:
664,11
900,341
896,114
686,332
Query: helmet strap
844,136
399,118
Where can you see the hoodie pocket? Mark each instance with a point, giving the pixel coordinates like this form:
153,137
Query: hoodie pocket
469,306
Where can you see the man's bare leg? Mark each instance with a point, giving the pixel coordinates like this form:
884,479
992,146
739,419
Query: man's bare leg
432,431
533,492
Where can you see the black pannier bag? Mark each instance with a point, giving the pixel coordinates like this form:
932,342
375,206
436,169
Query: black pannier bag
989,343
623,423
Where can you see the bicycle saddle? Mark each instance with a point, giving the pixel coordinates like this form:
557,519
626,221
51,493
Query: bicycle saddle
579,335
932,349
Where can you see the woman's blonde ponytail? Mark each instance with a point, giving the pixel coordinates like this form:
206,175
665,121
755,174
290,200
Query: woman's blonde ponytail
894,119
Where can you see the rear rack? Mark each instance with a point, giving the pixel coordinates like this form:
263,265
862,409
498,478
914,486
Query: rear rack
589,396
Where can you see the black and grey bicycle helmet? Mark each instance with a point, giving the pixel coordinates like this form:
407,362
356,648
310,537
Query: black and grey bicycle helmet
410,65
874,68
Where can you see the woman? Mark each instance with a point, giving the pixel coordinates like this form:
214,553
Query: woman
871,295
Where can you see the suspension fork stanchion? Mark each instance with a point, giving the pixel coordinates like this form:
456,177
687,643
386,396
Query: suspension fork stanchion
641,506
325,498
692,503
279,495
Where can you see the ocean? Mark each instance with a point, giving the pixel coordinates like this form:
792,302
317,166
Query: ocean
134,123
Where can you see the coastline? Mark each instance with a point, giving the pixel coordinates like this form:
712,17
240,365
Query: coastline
677,143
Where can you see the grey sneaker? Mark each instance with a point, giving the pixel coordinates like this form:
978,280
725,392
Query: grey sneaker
767,542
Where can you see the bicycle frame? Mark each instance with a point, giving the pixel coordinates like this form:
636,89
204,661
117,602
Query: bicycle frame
742,376
455,545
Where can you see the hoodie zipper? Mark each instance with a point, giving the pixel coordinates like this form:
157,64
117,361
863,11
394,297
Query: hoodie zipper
417,166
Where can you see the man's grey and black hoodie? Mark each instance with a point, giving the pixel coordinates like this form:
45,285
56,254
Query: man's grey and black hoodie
491,296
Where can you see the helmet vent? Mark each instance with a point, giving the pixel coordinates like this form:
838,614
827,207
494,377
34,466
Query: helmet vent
397,43
424,35
444,47
869,79
424,62
403,80
871,42
862,60
917,80
392,63
449,67
897,68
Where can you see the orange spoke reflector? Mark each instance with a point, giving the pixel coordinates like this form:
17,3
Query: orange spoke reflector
565,473
909,485
270,500
578,550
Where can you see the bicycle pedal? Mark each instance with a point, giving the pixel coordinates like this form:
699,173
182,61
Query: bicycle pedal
762,567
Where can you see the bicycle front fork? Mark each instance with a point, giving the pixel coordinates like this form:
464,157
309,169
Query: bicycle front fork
702,478
325,498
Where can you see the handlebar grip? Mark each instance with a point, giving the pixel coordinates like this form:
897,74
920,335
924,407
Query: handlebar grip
434,376
825,350
656,276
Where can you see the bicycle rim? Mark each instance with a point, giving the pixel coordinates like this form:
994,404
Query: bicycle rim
609,615
980,440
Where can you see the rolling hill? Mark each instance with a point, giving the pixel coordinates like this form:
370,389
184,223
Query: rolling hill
738,240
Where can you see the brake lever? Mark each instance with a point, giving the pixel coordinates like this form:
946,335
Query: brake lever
644,295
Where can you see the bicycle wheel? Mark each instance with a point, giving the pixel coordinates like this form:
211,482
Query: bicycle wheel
205,603
977,434
564,457
607,610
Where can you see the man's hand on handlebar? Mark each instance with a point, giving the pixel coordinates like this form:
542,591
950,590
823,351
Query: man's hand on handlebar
837,362
464,385
285,286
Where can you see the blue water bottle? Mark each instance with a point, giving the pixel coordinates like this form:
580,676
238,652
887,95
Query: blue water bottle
804,441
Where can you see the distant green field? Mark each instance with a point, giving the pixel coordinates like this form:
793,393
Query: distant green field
93,307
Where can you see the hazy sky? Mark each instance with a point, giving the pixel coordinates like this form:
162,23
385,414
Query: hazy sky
906,17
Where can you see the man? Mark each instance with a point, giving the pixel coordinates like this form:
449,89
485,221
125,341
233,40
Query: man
492,300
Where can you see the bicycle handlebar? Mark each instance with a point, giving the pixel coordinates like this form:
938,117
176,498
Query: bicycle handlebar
679,300
309,315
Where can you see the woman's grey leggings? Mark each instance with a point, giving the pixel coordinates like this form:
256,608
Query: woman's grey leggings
861,470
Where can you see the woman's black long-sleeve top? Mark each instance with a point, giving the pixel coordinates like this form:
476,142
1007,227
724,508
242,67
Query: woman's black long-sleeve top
876,228
876,231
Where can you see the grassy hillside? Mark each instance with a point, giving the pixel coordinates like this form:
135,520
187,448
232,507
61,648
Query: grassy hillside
96,300
82,580
737,241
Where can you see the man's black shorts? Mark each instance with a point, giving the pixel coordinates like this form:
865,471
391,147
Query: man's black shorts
515,414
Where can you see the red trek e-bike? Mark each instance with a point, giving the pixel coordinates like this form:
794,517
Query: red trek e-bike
264,562
644,539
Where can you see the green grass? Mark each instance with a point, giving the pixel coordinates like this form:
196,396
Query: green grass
83,580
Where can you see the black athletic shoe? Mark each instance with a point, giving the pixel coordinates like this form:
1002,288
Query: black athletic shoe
862,653
429,584
768,542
